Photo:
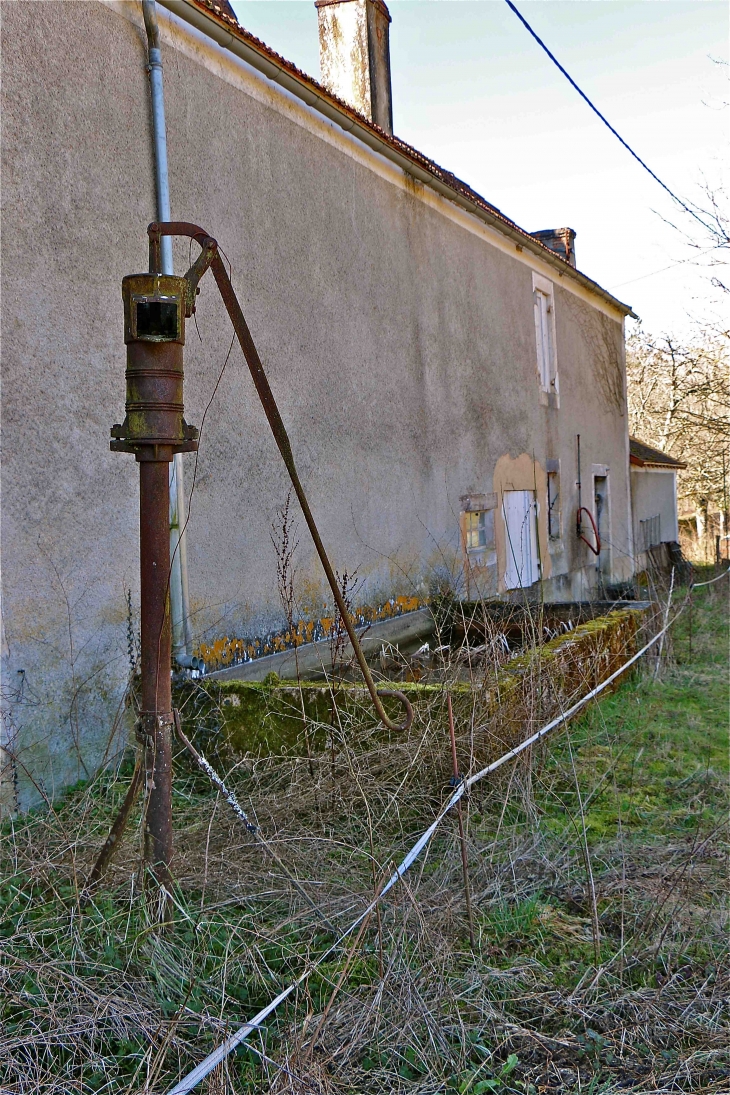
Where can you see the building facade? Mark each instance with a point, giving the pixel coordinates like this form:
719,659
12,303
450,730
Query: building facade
434,364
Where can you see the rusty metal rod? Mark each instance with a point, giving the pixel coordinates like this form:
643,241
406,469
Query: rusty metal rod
462,837
119,824
156,706
211,257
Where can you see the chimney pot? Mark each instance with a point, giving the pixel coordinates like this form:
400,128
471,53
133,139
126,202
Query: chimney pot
354,56
559,240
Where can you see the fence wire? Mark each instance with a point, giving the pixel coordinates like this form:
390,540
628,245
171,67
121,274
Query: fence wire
193,1078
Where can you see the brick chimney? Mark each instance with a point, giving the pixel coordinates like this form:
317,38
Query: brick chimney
354,56
559,240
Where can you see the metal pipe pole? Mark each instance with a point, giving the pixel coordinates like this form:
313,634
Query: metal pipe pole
179,595
156,713
724,503
154,429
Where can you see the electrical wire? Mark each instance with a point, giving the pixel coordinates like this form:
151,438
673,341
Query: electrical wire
605,120
679,262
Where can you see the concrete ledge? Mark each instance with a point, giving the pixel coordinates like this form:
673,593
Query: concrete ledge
314,658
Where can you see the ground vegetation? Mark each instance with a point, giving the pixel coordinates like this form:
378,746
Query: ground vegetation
598,882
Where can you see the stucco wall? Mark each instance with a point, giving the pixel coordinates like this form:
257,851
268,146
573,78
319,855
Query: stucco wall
654,493
397,332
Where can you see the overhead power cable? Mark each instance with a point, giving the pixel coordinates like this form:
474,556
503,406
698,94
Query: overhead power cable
605,120
672,265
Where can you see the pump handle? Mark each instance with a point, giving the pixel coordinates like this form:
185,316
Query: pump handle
210,257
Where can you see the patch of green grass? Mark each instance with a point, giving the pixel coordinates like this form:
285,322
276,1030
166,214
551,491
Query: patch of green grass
656,750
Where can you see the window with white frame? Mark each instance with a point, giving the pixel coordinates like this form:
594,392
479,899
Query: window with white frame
544,308
477,538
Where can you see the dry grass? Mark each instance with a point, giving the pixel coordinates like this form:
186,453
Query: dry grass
597,877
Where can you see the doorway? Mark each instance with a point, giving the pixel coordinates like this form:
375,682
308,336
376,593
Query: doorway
522,562
602,513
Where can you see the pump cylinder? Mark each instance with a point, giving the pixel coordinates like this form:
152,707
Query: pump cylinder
155,393
154,331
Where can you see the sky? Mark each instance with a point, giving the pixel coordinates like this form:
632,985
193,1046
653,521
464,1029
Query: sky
474,91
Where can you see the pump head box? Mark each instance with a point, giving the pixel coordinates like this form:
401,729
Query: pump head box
155,307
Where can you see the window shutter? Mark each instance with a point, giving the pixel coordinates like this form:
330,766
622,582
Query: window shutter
549,348
539,339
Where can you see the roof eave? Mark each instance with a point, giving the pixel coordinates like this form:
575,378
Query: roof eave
656,465
234,38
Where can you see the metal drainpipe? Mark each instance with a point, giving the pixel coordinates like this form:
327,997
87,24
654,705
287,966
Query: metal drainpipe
179,591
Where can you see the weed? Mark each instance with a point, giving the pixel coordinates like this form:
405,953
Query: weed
96,1000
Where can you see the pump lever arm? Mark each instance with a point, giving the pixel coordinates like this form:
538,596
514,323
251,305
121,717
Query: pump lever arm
213,259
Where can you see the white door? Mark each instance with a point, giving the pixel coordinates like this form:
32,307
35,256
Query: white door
518,508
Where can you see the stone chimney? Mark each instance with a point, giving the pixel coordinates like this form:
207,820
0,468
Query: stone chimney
559,240
354,56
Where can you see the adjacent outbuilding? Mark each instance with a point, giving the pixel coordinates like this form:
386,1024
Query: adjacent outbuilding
653,498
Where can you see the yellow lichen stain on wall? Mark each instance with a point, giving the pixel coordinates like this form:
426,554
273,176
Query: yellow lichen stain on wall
413,186
232,651
522,472
309,592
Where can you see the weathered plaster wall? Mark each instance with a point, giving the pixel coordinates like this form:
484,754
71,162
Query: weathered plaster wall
76,172
397,332
654,493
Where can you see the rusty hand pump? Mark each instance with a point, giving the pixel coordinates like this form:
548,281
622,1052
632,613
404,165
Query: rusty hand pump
154,429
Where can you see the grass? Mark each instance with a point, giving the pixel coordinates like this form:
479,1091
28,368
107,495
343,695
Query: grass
599,883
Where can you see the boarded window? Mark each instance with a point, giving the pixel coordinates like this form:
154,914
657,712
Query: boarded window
522,568
651,531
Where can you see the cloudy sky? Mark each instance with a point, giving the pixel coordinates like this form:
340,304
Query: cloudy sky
475,92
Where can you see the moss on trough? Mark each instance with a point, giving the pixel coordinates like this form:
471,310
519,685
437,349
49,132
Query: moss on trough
240,717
